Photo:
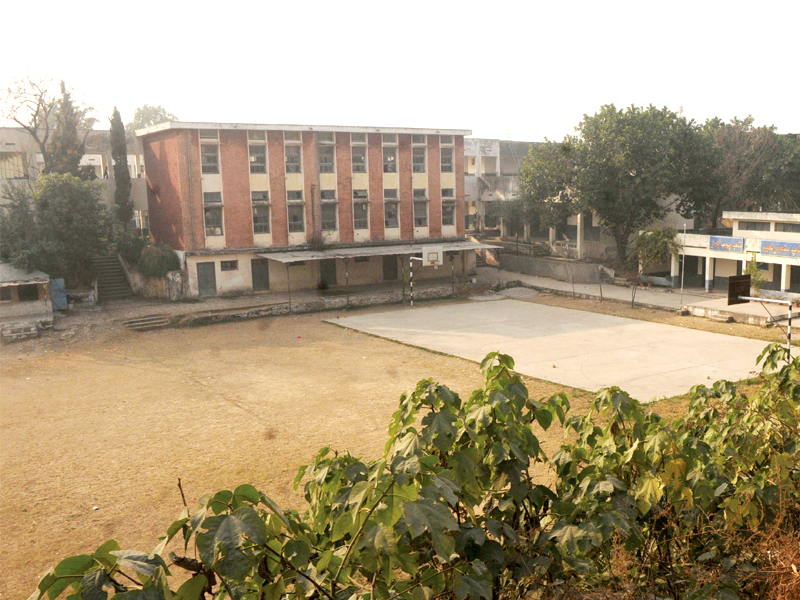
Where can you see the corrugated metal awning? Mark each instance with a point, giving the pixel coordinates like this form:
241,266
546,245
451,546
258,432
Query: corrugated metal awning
293,256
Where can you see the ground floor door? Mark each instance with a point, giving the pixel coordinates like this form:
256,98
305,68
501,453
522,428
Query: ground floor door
207,278
260,270
327,272
390,268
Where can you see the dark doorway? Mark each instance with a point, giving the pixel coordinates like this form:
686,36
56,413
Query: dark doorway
207,278
260,270
390,268
327,272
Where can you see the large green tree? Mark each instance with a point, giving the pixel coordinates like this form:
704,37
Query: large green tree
56,226
147,116
122,177
625,165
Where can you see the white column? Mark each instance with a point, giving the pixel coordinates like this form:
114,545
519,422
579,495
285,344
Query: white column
674,269
552,234
709,273
786,277
526,232
580,234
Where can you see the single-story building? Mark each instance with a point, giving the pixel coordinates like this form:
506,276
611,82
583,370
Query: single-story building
25,303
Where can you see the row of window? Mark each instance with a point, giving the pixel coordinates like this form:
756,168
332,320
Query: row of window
326,158
359,196
296,217
765,226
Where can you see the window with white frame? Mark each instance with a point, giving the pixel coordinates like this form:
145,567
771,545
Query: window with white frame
327,195
358,138
420,213
291,136
754,225
788,227
329,216
229,265
447,160
446,140
389,138
294,196
296,218
391,216
325,156
324,137
209,158
260,203
258,159
448,213
418,140
209,134
294,159
257,135
260,218
418,159
359,159
212,213
360,215
448,194
390,159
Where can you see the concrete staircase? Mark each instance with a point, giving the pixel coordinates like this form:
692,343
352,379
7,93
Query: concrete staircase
147,322
111,280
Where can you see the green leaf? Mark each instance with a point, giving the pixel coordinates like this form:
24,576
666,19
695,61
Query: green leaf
468,587
245,493
141,562
103,553
93,583
424,515
74,565
192,589
297,552
344,524
544,417
220,545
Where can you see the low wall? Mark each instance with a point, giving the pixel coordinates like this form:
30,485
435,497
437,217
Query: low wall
561,270
169,287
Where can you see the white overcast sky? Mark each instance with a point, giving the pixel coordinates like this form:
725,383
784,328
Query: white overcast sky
524,70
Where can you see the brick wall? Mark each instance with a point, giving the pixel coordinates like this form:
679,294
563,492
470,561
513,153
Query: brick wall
277,187
163,156
459,170
311,178
406,207
344,191
235,166
434,187
375,167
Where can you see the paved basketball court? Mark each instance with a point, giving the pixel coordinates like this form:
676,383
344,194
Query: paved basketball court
580,349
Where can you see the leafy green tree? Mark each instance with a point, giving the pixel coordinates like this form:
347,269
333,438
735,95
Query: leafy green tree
57,228
68,144
122,177
623,165
147,116
630,162
652,248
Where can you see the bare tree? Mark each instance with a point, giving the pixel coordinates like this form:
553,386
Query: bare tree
46,111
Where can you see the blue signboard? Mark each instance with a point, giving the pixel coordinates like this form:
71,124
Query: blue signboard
788,249
725,244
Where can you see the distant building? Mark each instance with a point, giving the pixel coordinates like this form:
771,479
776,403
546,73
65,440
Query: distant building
253,207
21,162
772,238
24,294
492,175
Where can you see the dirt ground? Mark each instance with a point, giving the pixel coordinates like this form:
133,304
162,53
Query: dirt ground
97,428
97,423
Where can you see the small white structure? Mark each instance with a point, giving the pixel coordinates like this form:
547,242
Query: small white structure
772,238
25,305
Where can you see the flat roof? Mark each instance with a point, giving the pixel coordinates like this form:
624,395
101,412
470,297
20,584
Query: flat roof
264,127
761,216
293,256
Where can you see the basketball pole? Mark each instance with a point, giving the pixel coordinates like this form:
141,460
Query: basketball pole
411,260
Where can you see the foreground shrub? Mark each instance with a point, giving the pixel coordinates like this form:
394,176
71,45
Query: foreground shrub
157,261
697,508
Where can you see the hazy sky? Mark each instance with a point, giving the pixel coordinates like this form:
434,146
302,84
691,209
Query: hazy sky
523,70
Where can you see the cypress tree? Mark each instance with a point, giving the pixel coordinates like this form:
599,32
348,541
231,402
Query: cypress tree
122,177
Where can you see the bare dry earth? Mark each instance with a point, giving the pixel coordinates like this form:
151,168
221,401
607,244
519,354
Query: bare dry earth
112,420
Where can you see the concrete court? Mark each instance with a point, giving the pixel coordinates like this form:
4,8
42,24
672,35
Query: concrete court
575,348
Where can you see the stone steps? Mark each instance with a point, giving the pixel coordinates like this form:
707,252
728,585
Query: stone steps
147,322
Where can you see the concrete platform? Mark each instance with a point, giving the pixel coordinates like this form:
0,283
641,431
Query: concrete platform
754,313
579,349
